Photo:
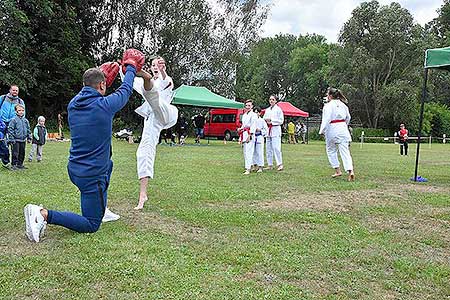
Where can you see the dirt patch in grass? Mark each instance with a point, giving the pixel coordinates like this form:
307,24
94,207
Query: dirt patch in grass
429,238
343,201
346,201
150,219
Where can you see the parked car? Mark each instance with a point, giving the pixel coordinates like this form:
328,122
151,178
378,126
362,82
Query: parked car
223,123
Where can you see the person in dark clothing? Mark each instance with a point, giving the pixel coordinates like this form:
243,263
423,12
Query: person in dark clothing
18,133
199,123
7,113
90,117
182,127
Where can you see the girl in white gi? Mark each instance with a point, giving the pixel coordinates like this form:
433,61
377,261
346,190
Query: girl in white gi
159,114
274,118
335,120
246,133
260,133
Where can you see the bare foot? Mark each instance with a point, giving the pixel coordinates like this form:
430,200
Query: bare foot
141,203
336,175
351,176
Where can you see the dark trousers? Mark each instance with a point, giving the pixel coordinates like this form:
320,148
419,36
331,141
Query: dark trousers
404,145
18,153
94,197
4,152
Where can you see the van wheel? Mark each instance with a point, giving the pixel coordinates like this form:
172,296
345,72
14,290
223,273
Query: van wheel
227,136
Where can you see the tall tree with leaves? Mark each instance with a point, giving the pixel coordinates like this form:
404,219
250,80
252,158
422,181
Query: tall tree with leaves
382,49
265,70
44,52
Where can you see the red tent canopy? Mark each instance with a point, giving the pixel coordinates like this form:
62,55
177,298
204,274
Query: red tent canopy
292,111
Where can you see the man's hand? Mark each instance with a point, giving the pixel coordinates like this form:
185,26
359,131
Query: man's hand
133,57
110,70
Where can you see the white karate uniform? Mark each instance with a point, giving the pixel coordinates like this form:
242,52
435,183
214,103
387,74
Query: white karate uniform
159,114
258,154
337,134
273,141
248,121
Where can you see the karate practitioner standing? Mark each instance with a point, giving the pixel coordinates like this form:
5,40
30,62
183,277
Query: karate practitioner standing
334,126
159,114
261,130
246,132
274,118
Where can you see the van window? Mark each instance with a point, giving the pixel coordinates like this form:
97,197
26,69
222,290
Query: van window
229,118
224,118
217,119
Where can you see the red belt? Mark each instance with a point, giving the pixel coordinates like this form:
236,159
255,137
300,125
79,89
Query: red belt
336,121
241,133
270,129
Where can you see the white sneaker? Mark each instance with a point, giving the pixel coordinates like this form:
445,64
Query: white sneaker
34,222
109,216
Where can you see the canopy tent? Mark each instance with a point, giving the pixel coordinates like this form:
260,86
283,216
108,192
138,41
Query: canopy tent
292,111
437,59
201,96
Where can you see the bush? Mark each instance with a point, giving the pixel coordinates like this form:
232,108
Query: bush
436,119
368,132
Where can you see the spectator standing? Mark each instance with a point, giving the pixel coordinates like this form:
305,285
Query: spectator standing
18,133
403,139
38,140
291,132
199,123
182,126
303,131
7,113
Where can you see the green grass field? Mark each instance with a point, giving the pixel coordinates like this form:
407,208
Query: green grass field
208,232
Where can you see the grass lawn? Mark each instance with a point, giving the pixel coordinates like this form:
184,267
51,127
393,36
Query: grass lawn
208,232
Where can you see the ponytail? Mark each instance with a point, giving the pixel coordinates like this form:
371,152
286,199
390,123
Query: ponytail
337,94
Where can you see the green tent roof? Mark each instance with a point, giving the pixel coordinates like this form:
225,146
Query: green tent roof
201,96
438,58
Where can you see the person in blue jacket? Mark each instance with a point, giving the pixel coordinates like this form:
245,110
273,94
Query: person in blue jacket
8,104
90,116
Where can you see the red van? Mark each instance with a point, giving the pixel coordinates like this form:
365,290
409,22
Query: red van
223,123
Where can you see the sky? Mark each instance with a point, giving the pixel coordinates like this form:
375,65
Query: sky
326,17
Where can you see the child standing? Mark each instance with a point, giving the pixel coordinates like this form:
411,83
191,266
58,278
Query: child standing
39,138
260,133
18,133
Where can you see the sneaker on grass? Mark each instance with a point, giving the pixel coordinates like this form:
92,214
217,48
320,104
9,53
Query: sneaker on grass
34,222
110,216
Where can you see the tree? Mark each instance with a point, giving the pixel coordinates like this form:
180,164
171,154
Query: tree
43,52
380,45
265,70
308,64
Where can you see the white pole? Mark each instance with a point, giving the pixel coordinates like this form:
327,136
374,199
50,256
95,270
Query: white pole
443,138
429,144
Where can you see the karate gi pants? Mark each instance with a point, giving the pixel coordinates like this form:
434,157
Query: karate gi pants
163,116
344,151
258,154
273,147
248,149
